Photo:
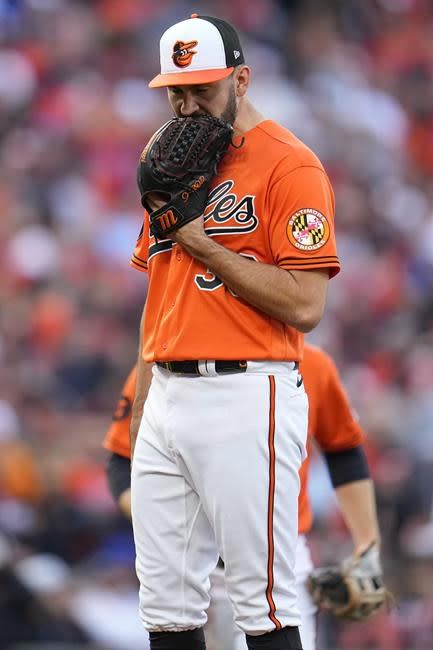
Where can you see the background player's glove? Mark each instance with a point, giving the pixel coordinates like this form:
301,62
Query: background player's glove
354,590
178,165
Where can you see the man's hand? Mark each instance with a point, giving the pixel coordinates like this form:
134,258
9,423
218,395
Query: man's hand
179,163
124,502
155,201
191,236
353,590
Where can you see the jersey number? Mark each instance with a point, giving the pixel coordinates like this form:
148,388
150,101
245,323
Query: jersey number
210,282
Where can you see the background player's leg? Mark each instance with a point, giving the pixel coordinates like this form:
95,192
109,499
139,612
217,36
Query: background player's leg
174,542
304,565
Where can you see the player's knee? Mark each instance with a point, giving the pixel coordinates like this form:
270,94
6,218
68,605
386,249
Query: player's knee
286,639
186,640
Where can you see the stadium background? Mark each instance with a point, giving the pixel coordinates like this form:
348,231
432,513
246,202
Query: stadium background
353,79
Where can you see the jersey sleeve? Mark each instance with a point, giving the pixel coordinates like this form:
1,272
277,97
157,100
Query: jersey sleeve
337,427
302,220
117,437
140,255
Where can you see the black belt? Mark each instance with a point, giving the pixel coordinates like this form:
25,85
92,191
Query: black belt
192,367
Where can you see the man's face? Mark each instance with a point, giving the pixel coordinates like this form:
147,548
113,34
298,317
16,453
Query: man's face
217,99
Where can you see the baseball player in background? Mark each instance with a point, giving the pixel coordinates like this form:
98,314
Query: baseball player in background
332,426
219,420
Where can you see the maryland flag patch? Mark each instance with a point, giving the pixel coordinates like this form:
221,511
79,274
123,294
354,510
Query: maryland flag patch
308,229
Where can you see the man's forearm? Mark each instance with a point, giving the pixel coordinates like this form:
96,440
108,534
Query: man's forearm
144,378
295,298
358,507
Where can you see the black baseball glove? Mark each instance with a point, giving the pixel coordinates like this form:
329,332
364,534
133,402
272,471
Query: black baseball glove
178,165
353,590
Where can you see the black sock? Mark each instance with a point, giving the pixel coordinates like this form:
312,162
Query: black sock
187,640
285,639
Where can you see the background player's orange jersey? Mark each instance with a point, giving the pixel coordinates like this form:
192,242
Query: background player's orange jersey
272,202
330,419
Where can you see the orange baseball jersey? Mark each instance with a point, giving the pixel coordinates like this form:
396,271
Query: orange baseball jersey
272,202
330,420
117,436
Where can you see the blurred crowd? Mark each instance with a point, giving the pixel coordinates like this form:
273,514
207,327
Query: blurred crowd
354,80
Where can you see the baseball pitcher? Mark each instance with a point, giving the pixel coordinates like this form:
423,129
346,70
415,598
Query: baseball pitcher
238,243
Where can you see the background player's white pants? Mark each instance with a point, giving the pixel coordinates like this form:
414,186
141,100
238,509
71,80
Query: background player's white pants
215,471
222,633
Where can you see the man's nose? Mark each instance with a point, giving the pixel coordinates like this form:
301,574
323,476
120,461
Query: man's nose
189,107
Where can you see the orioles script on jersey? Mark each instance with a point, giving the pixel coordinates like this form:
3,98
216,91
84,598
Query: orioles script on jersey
223,207
272,202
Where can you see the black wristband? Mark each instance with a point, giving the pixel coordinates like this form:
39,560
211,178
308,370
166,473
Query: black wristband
118,474
347,465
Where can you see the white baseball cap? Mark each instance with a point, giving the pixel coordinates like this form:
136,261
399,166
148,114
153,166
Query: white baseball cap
199,50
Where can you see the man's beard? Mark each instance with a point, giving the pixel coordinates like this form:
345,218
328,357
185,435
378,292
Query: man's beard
229,113
231,110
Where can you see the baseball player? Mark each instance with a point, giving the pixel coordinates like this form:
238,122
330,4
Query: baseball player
220,435
337,433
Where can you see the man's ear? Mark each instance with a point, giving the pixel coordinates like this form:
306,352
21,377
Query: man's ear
243,75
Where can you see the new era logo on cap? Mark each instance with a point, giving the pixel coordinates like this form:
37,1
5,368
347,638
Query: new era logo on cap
199,50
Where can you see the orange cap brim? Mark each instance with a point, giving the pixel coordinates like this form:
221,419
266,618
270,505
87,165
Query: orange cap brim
190,78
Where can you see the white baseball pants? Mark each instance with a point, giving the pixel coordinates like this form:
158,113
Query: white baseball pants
222,633
215,472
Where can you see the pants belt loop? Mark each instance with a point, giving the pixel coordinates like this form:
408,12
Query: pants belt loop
207,368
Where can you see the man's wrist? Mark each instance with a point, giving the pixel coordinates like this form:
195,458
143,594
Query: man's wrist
363,546
200,247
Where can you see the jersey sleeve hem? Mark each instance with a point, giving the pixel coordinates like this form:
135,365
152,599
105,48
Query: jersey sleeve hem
354,436
138,263
330,262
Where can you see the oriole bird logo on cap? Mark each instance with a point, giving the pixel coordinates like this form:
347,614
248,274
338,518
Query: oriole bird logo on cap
183,53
